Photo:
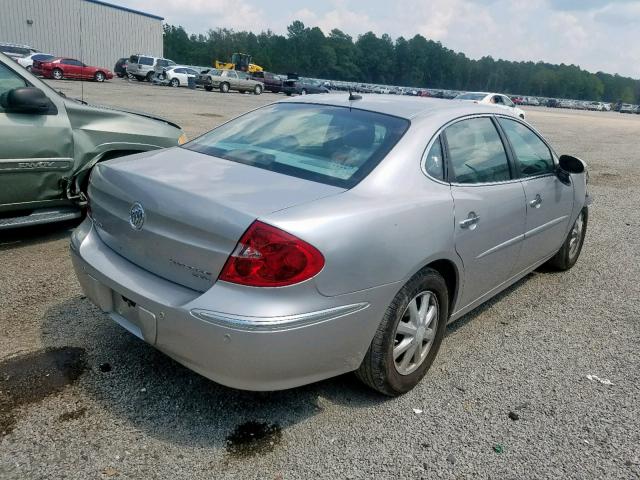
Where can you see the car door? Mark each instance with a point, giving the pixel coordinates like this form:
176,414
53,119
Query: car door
549,200
244,82
36,153
489,203
181,75
71,68
232,78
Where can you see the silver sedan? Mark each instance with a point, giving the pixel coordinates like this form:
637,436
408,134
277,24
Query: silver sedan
326,234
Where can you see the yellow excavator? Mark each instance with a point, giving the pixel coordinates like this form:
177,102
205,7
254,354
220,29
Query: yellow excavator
239,61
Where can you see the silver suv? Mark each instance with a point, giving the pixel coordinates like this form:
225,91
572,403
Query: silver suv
143,67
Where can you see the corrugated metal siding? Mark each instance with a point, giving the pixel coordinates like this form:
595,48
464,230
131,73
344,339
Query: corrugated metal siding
96,34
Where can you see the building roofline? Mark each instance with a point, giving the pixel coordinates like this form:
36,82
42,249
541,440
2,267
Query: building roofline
125,9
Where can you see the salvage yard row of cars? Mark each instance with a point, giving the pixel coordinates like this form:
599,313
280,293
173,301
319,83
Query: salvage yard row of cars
163,71
335,246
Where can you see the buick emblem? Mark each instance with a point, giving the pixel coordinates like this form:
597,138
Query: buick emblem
136,216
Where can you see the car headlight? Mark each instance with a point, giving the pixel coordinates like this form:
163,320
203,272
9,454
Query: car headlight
182,139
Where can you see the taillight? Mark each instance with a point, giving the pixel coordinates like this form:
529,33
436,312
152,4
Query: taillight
269,257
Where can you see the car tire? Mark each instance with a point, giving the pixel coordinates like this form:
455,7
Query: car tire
224,87
99,77
149,77
379,369
568,254
174,82
208,88
29,68
257,90
57,74
288,94
522,117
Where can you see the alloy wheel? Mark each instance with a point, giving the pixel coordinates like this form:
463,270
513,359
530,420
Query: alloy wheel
415,332
575,237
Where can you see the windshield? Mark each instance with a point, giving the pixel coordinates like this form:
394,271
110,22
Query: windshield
471,96
328,144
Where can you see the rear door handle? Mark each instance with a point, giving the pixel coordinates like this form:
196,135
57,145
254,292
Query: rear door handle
536,202
471,221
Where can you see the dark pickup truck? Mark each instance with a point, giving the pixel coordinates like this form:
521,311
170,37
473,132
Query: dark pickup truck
272,82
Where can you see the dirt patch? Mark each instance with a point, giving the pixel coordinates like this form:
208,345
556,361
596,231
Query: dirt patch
253,438
32,377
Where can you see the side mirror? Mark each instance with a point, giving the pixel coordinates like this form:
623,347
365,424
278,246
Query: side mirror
25,100
571,164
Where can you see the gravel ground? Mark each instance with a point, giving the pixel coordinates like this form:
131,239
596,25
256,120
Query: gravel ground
507,398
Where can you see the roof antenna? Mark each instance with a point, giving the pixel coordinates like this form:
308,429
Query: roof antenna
81,55
353,96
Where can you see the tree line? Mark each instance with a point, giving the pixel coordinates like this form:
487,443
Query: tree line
414,62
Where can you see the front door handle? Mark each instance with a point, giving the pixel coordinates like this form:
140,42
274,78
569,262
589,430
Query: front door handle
471,221
536,202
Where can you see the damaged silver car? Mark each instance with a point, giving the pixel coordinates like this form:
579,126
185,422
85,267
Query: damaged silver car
51,142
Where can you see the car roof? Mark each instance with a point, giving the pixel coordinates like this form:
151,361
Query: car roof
5,44
400,106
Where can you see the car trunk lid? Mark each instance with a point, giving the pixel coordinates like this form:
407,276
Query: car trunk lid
196,208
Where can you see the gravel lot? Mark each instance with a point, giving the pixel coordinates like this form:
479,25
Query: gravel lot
507,398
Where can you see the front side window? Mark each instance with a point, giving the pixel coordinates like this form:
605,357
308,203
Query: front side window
434,163
328,144
9,80
476,152
532,154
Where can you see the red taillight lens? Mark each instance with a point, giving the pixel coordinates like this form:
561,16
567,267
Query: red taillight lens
269,257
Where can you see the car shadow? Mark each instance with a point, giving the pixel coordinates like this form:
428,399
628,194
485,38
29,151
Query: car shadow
157,395
20,237
465,319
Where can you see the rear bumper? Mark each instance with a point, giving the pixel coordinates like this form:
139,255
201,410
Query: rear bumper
210,334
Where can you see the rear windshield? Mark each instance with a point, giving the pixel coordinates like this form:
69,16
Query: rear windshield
471,96
41,57
328,144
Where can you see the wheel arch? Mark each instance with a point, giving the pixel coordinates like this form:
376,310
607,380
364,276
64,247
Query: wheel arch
450,271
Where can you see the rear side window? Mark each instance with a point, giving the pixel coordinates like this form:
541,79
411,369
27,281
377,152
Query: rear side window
328,144
133,59
532,154
434,163
145,61
476,152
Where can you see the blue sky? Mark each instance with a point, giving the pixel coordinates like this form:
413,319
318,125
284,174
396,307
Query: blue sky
595,34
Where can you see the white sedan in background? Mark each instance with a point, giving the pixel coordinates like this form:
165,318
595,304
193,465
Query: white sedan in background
492,99
27,60
178,76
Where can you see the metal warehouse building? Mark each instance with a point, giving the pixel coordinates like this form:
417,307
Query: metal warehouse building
96,32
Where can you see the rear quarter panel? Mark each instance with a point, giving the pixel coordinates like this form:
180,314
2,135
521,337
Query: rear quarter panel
383,230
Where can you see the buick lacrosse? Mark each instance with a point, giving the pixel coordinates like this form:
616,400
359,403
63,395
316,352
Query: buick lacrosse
326,234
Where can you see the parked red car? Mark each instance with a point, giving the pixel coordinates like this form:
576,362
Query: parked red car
60,68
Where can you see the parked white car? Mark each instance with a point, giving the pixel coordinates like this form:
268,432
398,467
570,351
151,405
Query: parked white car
178,76
27,61
492,99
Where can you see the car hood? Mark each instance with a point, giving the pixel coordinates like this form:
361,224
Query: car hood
135,112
